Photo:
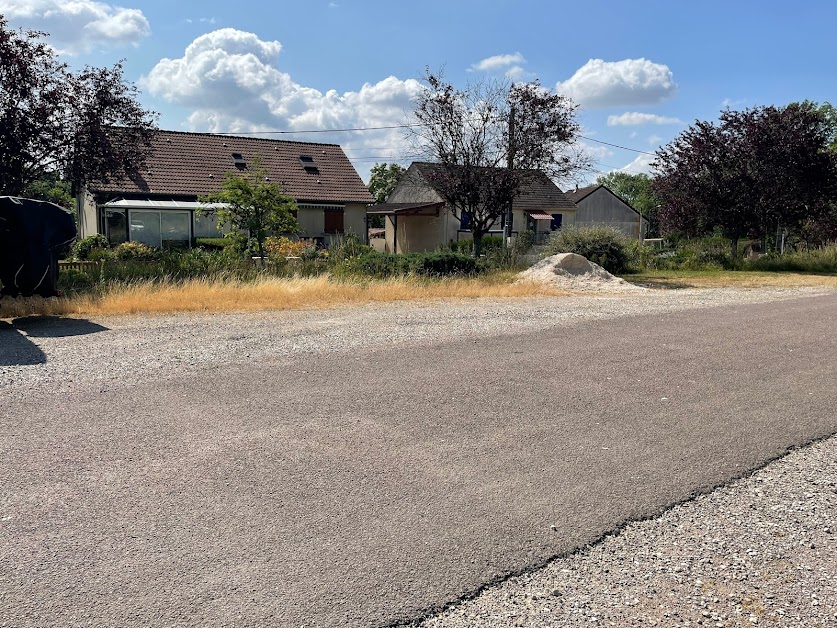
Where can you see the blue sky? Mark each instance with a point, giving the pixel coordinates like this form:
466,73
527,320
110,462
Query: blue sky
641,71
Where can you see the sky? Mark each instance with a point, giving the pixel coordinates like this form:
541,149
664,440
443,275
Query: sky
640,71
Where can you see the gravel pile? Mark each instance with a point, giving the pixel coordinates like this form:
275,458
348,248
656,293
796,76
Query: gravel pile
575,272
761,551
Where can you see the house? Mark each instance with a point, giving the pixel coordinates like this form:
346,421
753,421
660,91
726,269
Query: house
598,205
158,205
417,218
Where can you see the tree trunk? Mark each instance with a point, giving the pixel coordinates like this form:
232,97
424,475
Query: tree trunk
261,253
733,248
476,250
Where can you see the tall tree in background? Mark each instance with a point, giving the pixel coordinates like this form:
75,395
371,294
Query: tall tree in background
382,180
753,172
84,126
473,135
53,189
638,191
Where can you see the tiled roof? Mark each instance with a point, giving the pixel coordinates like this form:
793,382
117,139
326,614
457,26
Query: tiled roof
582,193
191,164
538,193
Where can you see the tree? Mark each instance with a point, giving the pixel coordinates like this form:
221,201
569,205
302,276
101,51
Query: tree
637,190
754,171
489,140
248,202
84,126
53,189
382,180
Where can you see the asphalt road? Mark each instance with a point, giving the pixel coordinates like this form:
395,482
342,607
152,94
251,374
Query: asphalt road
367,488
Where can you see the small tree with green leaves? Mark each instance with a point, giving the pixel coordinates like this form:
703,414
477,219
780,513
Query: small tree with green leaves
383,178
249,202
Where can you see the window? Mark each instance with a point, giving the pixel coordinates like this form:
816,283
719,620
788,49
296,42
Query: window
464,220
333,220
161,229
238,160
557,220
116,226
206,226
308,164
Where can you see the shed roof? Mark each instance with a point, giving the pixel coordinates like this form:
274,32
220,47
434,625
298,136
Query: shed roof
538,193
192,164
582,193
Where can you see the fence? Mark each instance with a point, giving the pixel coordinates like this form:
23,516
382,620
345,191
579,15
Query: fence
76,265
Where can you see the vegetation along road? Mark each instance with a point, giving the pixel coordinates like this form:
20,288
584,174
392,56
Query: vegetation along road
369,465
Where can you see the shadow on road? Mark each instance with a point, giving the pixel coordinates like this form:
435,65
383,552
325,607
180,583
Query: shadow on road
55,326
16,348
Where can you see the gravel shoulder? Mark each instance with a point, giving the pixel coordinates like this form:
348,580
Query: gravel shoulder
759,551
55,353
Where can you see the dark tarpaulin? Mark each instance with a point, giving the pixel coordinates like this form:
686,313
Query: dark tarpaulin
33,235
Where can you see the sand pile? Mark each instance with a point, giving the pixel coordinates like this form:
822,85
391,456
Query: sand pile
575,272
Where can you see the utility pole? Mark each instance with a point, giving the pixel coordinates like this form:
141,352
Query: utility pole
510,166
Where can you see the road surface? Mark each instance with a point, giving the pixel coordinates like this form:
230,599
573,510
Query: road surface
372,486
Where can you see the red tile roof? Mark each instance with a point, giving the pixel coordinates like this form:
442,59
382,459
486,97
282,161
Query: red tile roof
537,193
582,193
192,164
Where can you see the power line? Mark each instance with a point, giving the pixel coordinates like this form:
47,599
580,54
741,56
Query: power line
401,126
367,128
635,150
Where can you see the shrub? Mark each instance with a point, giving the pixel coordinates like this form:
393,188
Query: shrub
214,244
490,244
463,247
83,248
346,246
381,265
606,246
136,251
821,260
281,247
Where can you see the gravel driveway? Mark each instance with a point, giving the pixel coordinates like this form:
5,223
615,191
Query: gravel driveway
761,550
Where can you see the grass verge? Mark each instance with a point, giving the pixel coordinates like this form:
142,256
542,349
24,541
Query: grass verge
729,279
218,295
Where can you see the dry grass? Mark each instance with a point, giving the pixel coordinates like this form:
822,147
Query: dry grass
731,279
206,295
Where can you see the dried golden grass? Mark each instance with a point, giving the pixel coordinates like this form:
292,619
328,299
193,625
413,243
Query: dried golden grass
207,295
731,279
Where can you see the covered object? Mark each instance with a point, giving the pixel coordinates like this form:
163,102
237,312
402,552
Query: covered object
33,235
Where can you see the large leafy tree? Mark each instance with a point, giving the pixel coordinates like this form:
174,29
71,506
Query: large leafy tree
637,190
249,202
383,179
752,172
85,126
53,189
488,140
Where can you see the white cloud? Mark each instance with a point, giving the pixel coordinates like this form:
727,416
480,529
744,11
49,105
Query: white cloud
231,81
78,25
599,84
655,140
497,62
635,119
729,103
640,165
